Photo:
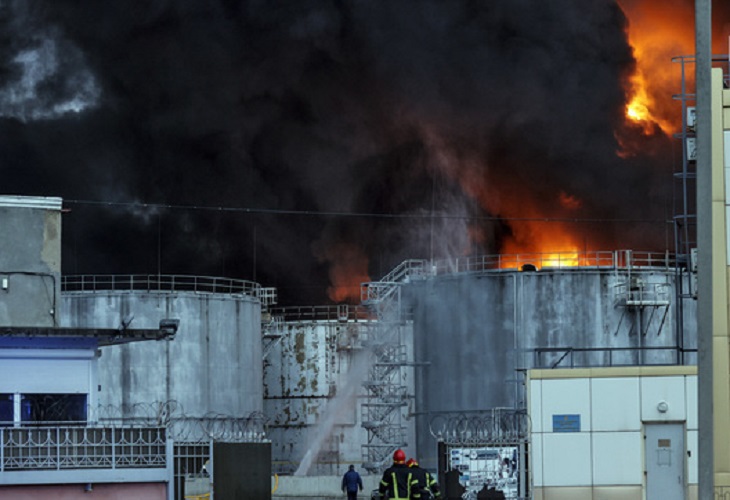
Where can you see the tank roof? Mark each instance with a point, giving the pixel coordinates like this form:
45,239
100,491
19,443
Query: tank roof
39,202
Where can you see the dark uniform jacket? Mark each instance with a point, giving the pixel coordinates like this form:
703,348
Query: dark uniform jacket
399,483
426,482
351,481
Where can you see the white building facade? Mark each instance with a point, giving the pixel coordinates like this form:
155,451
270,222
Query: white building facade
624,433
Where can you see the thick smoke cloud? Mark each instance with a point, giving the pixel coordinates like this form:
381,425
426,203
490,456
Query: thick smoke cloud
458,108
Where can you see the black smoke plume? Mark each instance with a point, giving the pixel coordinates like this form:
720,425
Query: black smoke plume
301,112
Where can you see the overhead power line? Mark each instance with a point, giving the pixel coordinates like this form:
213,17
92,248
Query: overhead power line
327,213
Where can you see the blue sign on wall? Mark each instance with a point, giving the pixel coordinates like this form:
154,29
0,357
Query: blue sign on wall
566,423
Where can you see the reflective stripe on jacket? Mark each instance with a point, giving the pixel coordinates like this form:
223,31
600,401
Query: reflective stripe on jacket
425,480
398,483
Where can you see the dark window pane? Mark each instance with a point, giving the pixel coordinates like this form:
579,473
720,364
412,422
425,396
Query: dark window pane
6,409
53,408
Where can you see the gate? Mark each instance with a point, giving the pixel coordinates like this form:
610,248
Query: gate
192,470
482,454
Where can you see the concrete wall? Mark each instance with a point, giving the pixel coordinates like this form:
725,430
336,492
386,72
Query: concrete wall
30,260
320,488
604,455
214,364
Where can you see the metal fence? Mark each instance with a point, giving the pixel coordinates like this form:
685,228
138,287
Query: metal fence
192,467
57,448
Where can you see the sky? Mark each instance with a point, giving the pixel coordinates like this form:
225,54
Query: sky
314,145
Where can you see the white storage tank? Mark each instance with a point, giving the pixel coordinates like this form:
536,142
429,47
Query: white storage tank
212,366
477,327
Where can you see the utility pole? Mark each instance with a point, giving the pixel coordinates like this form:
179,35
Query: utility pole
703,67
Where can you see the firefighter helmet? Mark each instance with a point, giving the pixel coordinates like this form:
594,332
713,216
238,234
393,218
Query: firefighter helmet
399,456
412,462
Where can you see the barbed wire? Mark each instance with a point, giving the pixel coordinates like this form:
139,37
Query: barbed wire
497,426
181,426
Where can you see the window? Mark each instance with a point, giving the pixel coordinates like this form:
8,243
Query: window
6,409
46,408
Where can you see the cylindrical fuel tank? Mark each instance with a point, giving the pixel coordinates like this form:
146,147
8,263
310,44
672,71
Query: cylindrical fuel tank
213,364
307,374
476,332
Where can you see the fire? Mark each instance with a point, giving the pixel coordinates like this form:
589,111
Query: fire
531,239
548,241
348,270
535,237
657,31
640,106
569,201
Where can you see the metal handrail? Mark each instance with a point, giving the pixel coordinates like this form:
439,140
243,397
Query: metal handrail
159,282
568,352
340,312
602,259
613,259
406,269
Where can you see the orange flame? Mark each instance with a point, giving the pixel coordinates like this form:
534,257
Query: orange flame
569,201
657,31
533,232
638,109
546,241
348,270
529,241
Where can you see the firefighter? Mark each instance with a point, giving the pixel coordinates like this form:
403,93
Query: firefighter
426,482
398,483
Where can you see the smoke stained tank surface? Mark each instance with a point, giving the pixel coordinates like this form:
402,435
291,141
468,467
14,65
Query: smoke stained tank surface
475,332
214,364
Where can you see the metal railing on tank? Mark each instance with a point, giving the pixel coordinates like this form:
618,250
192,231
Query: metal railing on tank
575,357
339,312
608,259
162,283
637,292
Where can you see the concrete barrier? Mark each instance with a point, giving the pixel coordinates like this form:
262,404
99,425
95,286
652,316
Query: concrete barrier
319,487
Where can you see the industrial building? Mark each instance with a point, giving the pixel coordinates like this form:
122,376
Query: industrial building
566,376
53,444
439,359
474,335
73,424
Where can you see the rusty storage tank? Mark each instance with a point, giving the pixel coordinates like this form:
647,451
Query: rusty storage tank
478,323
214,363
309,398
